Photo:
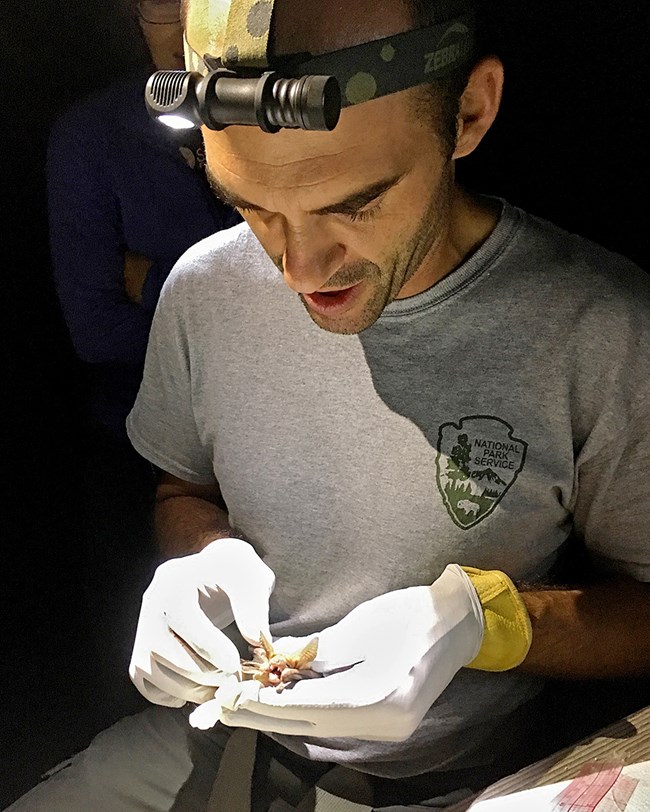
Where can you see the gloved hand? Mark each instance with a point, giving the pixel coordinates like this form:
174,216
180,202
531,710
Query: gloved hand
407,645
179,653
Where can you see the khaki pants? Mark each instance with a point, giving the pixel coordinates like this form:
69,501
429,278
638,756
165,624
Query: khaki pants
155,761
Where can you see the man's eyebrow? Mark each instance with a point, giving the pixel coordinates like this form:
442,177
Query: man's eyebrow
227,197
349,205
357,200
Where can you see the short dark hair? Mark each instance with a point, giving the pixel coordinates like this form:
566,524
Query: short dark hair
439,101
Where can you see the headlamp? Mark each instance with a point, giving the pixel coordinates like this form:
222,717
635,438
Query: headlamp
247,87
183,99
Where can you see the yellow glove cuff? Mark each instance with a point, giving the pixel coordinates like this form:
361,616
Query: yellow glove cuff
508,633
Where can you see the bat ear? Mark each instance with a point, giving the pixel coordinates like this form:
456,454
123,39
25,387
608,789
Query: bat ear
266,645
308,654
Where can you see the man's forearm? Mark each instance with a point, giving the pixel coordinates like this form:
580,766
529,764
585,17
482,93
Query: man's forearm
186,524
592,632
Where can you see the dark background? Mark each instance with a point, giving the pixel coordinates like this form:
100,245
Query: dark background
569,145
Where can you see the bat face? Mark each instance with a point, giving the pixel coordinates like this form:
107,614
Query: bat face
280,670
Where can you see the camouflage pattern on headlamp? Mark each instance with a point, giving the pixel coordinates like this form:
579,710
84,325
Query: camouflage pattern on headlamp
237,32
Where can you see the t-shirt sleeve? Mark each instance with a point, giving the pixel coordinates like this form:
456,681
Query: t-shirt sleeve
162,426
612,509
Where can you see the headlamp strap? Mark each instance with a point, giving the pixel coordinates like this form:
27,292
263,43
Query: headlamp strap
365,71
387,65
247,34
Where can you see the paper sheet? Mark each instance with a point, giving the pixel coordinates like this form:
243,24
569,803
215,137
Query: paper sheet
626,789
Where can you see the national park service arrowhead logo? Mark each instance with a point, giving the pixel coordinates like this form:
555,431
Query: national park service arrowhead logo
478,460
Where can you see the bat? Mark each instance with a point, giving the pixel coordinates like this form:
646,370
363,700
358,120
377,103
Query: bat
280,670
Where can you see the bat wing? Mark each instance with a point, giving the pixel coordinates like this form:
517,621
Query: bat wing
306,656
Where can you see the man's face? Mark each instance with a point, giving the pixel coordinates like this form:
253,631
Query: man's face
353,218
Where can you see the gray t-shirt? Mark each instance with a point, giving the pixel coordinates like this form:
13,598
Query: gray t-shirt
479,422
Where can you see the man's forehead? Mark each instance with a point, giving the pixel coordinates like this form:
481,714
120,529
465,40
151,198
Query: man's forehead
248,171
333,195
288,148
378,133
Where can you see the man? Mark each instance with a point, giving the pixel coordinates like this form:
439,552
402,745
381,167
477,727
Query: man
416,379
126,197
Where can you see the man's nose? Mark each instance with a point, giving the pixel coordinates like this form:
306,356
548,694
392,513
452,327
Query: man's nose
310,258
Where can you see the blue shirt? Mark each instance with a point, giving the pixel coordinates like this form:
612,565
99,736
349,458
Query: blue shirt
119,181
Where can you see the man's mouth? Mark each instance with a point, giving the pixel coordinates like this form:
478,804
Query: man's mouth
332,302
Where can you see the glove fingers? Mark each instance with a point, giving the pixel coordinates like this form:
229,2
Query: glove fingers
173,653
242,709
195,631
154,637
235,694
162,684
251,613
167,680
208,714
143,682
216,605
158,697
244,718
267,702
212,678
181,658
373,724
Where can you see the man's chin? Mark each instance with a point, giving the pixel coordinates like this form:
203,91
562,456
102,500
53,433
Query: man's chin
348,323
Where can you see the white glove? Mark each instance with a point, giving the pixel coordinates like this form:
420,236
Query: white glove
411,643
179,654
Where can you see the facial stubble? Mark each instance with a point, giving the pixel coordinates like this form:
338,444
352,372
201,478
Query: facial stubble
386,280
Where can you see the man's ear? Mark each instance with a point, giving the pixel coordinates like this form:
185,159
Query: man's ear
479,104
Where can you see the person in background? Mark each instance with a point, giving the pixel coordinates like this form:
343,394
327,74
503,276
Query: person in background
126,197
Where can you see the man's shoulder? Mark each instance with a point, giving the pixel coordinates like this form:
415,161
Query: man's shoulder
230,258
553,261
224,283
235,246
588,302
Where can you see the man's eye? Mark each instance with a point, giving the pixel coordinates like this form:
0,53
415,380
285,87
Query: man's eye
363,215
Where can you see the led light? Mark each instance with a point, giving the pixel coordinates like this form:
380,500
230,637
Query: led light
176,122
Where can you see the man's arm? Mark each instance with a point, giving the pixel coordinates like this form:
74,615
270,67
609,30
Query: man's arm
188,516
136,268
87,251
597,631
